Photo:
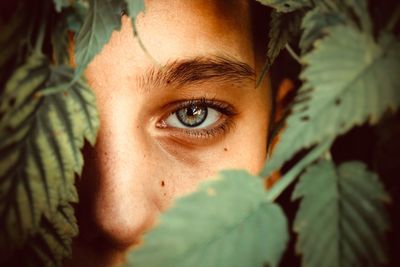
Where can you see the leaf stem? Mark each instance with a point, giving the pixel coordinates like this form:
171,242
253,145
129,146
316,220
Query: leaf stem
136,33
42,30
291,175
292,53
393,19
264,71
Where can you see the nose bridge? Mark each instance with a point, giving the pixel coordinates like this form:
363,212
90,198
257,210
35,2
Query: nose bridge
120,204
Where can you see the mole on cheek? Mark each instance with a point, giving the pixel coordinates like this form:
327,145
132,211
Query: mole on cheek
162,183
225,149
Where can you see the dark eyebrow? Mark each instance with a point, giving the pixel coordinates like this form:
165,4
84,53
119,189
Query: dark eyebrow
197,70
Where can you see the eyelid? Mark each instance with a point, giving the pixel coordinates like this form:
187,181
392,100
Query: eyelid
220,106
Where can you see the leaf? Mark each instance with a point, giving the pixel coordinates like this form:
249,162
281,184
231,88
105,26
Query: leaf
10,36
40,142
315,25
284,181
51,244
59,4
227,222
283,28
286,5
354,12
360,8
13,40
327,14
342,218
134,8
69,20
350,79
104,16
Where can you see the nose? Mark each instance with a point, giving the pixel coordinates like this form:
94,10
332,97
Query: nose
116,187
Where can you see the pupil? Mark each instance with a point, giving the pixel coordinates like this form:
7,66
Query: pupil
192,116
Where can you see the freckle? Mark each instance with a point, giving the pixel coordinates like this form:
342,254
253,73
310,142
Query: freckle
225,149
162,183
105,153
165,194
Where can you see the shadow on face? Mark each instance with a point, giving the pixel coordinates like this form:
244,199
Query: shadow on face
170,124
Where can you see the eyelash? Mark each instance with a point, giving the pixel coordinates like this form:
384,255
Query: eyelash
222,128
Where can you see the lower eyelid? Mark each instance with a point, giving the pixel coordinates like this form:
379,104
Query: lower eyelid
214,133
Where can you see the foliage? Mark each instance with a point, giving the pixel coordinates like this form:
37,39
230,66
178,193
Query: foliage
360,66
40,146
231,208
103,17
334,200
350,65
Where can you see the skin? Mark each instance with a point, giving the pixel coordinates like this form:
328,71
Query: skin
139,164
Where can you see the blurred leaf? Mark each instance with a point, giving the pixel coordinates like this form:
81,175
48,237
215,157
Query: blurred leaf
68,21
283,28
134,8
14,39
104,16
51,244
342,77
315,25
360,9
327,14
227,222
40,142
286,5
59,4
10,36
342,218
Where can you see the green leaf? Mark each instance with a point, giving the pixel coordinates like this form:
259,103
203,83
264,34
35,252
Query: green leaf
59,4
283,28
40,142
327,14
315,25
360,8
134,8
14,40
10,36
342,218
350,79
354,12
104,16
51,244
69,20
227,222
285,5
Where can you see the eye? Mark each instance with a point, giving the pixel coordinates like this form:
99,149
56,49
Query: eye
198,119
193,116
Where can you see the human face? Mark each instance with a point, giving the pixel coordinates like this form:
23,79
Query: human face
202,73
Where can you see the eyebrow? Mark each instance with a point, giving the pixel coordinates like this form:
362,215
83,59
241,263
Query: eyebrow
197,70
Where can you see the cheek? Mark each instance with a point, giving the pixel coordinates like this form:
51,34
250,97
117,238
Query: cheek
245,149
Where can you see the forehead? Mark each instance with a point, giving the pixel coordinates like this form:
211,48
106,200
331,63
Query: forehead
181,29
